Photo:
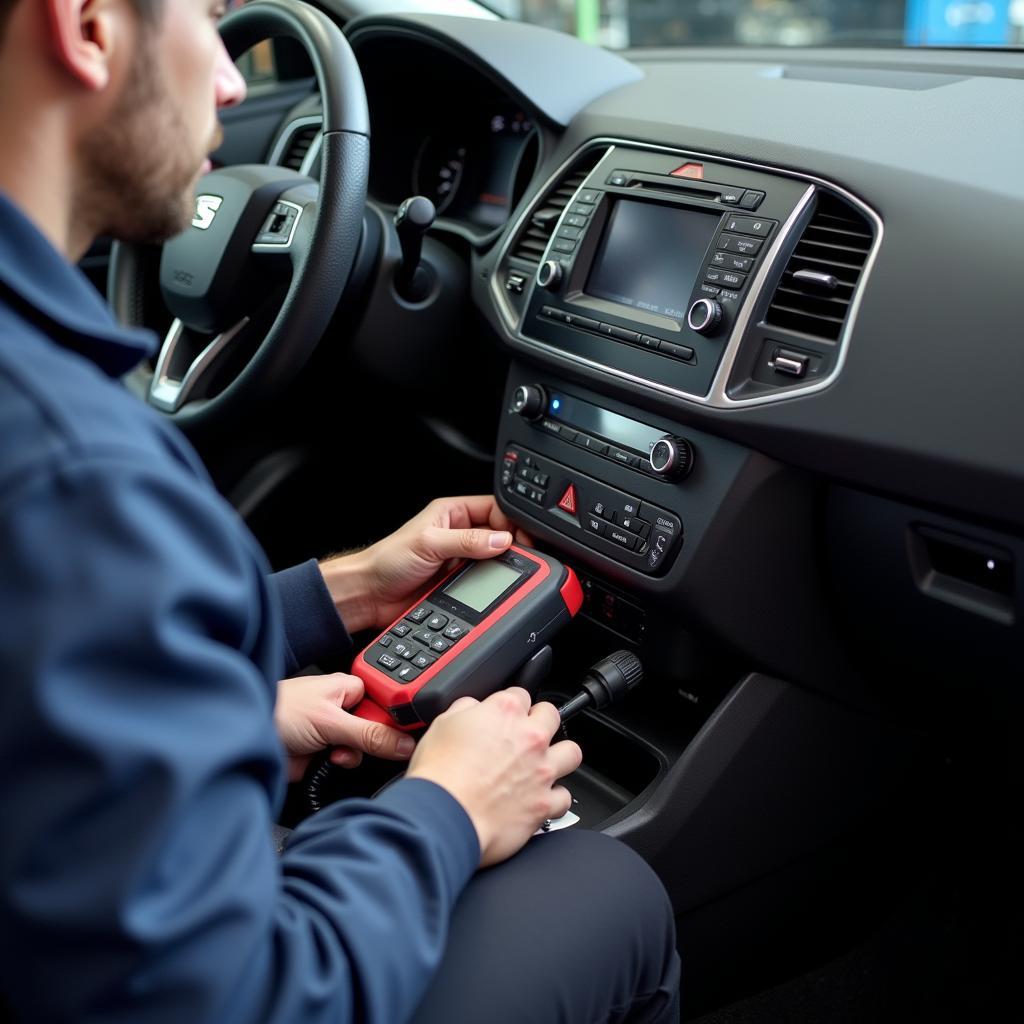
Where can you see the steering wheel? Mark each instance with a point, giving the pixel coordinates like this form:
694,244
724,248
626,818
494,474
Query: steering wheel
255,226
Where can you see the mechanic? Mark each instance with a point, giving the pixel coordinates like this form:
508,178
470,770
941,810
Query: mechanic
142,641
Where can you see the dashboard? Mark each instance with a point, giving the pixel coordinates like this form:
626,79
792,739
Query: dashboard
798,269
756,324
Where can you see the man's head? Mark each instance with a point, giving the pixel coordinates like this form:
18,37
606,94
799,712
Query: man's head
141,81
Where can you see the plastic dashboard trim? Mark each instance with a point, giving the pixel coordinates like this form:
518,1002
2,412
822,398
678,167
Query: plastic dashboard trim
716,397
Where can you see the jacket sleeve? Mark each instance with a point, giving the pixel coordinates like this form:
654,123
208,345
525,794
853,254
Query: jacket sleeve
313,632
138,648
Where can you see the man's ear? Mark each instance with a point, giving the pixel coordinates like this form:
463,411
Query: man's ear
84,35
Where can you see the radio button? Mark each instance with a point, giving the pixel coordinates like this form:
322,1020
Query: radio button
419,614
388,661
423,660
709,289
620,333
588,196
713,275
574,220
661,520
622,538
728,296
741,264
439,644
552,427
423,636
738,243
618,455
582,209
563,245
636,525
385,641
750,226
594,525
584,322
404,650
670,348
437,621
732,280
407,673
400,629
569,232
618,178
751,200
648,342
731,196
456,631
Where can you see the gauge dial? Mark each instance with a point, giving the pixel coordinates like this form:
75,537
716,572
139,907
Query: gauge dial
438,170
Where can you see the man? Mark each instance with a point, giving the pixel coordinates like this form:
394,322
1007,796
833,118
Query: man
141,644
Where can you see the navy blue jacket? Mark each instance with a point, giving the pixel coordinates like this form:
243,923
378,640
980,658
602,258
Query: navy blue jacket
140,644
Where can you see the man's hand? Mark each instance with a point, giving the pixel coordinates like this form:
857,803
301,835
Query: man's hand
309,715
373,586
495,758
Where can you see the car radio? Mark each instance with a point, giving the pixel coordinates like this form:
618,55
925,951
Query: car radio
650,264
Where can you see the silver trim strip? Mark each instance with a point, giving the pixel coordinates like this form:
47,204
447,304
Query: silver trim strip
716,397
284,140
168,394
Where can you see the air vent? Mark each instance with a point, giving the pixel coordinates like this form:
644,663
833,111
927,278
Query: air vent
533,239
819,282
299,145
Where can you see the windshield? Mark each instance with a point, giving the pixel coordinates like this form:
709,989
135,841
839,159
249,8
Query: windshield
618,24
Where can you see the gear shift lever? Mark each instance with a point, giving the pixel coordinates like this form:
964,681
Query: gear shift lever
413,220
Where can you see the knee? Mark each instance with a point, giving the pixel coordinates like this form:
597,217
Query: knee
604,872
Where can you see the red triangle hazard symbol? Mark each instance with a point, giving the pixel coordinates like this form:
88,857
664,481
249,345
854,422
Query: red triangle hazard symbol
568,502
688,170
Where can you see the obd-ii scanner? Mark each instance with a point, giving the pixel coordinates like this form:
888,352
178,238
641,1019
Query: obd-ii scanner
467,637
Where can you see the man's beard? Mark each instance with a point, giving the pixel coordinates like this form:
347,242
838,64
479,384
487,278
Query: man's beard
138,169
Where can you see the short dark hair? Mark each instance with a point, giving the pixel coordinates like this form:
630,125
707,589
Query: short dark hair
149,10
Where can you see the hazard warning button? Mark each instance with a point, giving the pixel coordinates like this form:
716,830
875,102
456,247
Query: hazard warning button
567,503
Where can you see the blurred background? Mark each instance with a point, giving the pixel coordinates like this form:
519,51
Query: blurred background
621,23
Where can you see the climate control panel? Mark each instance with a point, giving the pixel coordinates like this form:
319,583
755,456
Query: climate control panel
613,522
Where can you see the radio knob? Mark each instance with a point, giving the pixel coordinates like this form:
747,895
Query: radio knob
549,275
672,457
530,401
704,317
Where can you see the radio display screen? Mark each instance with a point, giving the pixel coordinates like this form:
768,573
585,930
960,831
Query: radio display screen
650,256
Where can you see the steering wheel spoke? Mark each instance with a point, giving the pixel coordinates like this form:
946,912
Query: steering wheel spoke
187,363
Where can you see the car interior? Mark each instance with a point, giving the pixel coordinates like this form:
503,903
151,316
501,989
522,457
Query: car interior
735,334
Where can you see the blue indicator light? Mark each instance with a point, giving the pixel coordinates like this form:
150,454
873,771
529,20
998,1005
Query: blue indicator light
555,405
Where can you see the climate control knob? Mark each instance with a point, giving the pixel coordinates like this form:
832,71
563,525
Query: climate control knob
672,457
549,275
704,317
530,401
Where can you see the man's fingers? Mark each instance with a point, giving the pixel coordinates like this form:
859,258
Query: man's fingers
439,544
515,697
545,713
373,738
559,802
346,757
565,757
350,688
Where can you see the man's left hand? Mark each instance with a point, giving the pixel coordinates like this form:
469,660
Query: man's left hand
371,587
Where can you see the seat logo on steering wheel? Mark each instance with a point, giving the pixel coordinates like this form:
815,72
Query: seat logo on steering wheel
206,210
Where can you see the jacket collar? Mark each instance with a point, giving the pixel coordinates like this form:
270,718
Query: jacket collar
52,290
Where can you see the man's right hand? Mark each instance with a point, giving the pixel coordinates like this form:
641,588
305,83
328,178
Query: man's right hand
495,757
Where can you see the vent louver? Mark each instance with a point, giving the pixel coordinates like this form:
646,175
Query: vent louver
816,289
533,239
299,145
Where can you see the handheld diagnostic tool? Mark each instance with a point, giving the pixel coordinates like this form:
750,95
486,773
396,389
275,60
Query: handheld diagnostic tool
466,637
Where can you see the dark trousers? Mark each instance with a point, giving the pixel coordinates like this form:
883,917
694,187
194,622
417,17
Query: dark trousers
575,929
